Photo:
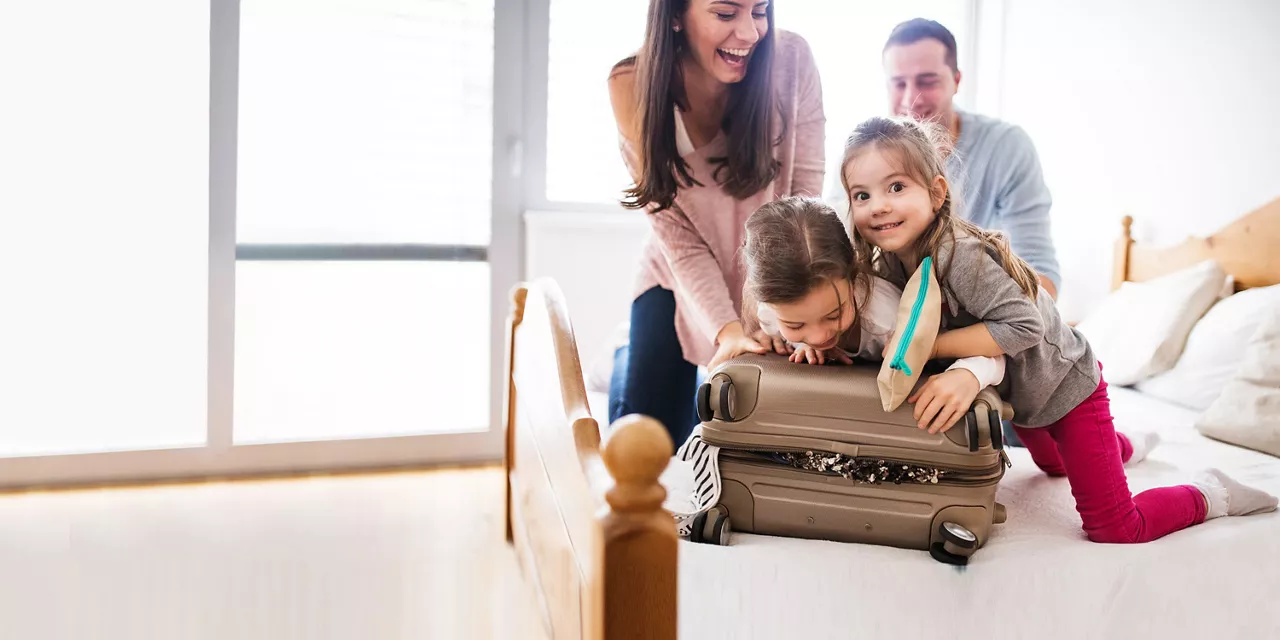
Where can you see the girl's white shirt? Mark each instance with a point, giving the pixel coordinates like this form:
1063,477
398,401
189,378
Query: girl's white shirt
878,311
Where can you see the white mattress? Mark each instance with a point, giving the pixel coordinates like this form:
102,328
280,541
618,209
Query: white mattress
1037,577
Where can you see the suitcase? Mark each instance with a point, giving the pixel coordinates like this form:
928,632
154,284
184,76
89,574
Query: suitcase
808,451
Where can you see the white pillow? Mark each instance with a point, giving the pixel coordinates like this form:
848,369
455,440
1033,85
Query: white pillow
1214,350
1139,330
1247,414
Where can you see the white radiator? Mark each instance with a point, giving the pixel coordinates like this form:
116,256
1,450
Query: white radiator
594,257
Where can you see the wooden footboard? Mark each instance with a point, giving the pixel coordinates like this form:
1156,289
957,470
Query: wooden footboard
586,522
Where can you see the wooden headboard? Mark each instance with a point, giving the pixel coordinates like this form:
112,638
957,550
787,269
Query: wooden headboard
1248,248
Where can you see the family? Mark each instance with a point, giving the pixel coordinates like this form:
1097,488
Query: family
722,128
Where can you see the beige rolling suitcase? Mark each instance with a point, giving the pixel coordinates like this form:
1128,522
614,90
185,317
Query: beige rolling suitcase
808,451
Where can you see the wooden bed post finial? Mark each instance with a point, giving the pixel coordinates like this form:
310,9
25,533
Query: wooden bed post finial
636,453
639,535
518,296
1120,259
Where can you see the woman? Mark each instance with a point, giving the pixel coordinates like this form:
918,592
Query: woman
719,113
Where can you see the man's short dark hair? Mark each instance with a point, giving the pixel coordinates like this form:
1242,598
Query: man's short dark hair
917,29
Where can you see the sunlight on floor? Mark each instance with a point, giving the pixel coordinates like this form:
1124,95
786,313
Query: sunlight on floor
407,555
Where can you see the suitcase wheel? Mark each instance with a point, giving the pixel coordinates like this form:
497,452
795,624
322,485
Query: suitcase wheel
726,400
971,429
939,553
703,402
711,527
997,429
957,540
695,528
720,531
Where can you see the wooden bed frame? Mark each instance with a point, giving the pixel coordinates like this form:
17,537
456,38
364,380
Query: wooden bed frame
1248,248
587,522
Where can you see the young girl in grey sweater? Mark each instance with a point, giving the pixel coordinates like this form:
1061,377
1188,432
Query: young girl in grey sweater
901,211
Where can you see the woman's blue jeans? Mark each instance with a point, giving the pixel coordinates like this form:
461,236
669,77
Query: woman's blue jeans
650,375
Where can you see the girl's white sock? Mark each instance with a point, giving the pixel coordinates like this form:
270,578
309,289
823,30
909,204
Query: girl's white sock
1227,497
1143,442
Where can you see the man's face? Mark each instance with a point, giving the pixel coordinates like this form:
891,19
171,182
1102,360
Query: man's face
920,82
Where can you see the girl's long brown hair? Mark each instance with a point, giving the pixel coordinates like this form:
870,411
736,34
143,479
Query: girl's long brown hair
921,149
749,165
793,245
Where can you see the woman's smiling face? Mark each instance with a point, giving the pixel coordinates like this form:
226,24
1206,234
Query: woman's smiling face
722,35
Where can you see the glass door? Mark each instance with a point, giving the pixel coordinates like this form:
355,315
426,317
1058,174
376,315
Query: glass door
243,236
363,219
104,226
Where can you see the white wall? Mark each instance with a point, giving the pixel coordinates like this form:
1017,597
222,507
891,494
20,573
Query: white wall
1166,110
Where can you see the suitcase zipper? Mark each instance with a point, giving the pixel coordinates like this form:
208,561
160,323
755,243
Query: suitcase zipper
880,468
899,357
953,471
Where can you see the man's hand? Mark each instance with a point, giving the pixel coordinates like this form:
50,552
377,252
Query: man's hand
805,353
1047,285
943,399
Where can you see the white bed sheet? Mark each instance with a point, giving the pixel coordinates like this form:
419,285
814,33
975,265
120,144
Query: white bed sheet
1037,577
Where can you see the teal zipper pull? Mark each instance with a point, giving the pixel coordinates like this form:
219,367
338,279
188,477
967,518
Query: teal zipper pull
899,357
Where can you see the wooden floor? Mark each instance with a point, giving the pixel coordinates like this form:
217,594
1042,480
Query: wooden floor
410,555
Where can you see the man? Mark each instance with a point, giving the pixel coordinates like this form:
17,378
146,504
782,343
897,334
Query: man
995,163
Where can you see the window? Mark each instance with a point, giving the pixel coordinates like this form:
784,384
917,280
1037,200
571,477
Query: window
365,121
587,38
847,39
254,222
334,349
365,163
104,221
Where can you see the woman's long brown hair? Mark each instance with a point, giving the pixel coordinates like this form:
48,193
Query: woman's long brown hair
748,166
921,149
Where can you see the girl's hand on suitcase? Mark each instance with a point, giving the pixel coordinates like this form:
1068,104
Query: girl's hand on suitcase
805,353
943,399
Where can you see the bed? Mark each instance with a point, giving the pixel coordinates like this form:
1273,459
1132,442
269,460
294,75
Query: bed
585,518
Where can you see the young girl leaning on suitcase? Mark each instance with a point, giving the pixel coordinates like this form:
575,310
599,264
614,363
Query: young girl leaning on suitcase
901,210
802,286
